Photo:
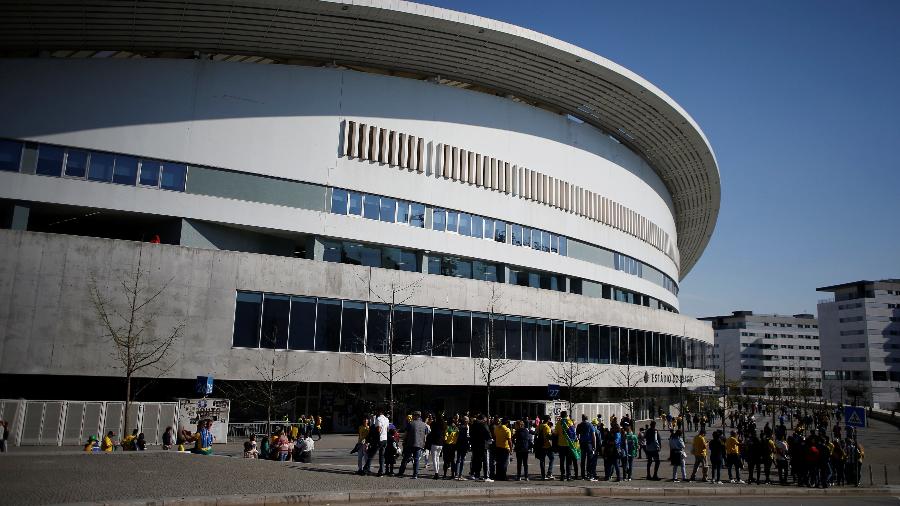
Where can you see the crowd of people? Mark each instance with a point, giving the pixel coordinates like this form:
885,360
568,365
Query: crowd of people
814,452
200,441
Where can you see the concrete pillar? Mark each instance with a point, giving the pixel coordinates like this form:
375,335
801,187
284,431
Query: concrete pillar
15,216
315,249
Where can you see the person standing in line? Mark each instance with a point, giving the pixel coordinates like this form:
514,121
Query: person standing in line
781,459
564,440
362,433
542,444
717,456
438,435
587,441
521,446
413,442
631,449
677,455
642,442
449,451
480,436
463,442
378,442
652,446
733,458
502,447
700,449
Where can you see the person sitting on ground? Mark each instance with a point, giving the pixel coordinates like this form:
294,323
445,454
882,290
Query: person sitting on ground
92,445
108,443
168,439
140,444
128,441
250,451
304,448
203,439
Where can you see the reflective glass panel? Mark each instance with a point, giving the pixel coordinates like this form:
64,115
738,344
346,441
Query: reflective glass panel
101,167
499,231
303,323
545,241
403,212
554,243
328,325
439,220
361,254
246,320
604,345
417,215
488,228
421,331
353,327
516,231
174,176
333,251
443,331
581,330
10,155
594,337
50,160
477,227
479,335
571,353
377,328
544,341
452,221
276,311
529,345
339,201
535,239
465,224
434,264
497,331
149,173
558,341
513,338
562,246
371,207
355,204
125,171
526,237
76,163
462,334
402,329
388,209
614,346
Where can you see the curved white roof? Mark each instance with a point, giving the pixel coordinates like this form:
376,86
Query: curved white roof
407,39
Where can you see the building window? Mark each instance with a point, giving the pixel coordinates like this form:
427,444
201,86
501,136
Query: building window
303,324
339,201
149,175
248,309
328,325
10,155
353,327
125,170
76,163
174,176
50,160
276,310
100,167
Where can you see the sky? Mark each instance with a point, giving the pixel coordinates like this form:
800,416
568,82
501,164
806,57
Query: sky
801,103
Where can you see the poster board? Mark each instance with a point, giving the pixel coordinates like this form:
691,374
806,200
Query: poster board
191,411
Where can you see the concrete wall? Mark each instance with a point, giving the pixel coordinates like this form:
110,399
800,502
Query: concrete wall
47,325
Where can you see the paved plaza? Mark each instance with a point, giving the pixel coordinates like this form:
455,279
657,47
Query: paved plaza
44,475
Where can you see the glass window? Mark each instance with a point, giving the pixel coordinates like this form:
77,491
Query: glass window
571,354
558,341
399,259
246,320
333,251
452,221
355,204
614,346
513,338
480,324
456,267
421,331
477,227
402,329
526,237
581,330
536,239
465,224
563,250
50,160
534,280
125,171
417,215
545,241
303,323
377,328
439,220
403,212
488,228
388,209
434,264
500,231
174,176
462,334
594,347
516,231
76,163
371,207
443,332
484,271
149,173
554,243
529,346
355,253
641,353
276,311
654,350
339,201
10,155
101,167
328,325
604,345
544,341
353,327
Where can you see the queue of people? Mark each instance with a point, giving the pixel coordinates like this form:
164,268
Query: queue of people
200,442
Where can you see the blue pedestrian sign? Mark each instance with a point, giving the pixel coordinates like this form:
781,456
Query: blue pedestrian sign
204,385
552,392
854,417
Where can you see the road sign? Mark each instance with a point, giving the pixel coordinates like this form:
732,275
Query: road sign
552,392
854,417
204,385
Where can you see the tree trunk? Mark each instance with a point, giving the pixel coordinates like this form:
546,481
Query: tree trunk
127,404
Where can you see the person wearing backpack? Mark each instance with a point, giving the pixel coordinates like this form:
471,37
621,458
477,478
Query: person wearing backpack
652,446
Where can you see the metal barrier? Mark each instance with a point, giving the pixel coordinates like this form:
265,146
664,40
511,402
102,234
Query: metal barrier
57,423
246,429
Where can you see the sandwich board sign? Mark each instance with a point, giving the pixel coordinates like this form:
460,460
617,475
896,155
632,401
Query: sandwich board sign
854,417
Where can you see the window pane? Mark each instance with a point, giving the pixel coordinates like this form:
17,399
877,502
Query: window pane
10,155
101,167
477,227
479,335
76,163
534,280
377,328
499,231
434,264
529,346
456,267
174,176
125,171
402,329
558,341
536,239
388,209
545,241
398,259
443,332
571,353
488,228
361,254
303,323
604,345
465,224
439,220
355,203
417,215
246,320
516,231
484,271
594,346
333,251
452,221
640,341
371,207
544,341
339,201
513,338
462,333
526,237
421,331
353,327
583,342
409,261
149,173
562,246
554,244
328,325
403,212
614,346
276,309
49,161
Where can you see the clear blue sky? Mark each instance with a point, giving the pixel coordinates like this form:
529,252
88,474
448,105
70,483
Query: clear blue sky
801,102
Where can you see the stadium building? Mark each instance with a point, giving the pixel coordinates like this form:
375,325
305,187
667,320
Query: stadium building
312,180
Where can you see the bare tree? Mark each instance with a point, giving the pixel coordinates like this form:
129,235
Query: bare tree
574,376
627,378
129,318
493,366
271,389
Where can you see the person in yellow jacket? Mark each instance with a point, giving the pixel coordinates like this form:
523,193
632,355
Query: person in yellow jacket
108,444
700,449
564,436
733,458
502,447
543,444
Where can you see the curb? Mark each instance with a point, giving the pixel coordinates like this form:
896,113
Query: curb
484,493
